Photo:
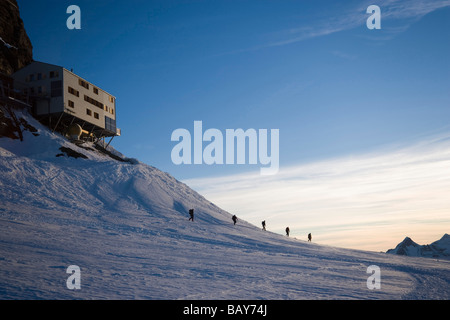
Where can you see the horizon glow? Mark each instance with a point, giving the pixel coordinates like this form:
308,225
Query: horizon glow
368,201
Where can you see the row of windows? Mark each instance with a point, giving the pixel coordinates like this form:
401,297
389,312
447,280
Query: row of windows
98,104
35,90
72,105
94,102
55,89
39,76
91,101
55,74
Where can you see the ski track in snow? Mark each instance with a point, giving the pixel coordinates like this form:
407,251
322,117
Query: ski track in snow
126,226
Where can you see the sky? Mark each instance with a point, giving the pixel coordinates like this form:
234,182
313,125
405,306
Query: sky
362,114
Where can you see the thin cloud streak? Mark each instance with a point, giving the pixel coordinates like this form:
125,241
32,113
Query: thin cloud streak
390,10
406,12
349,202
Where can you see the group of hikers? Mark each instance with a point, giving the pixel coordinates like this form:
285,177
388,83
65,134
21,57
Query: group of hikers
234,218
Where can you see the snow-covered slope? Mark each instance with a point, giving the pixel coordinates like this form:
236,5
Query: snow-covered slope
439,249
125,224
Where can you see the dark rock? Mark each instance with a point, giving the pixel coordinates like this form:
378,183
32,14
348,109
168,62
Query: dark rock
12,32
71,153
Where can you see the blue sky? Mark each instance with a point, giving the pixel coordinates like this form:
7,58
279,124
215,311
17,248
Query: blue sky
312,69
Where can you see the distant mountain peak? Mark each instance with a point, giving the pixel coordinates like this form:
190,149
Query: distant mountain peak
439,249
408,242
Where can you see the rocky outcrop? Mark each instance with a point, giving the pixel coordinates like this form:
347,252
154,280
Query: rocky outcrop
16,50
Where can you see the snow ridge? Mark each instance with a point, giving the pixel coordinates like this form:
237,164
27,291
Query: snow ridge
126,225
